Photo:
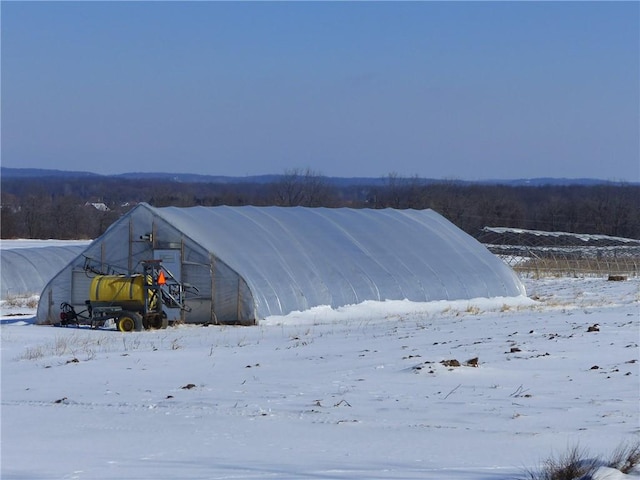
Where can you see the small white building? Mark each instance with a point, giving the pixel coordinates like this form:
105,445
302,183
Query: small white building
102,207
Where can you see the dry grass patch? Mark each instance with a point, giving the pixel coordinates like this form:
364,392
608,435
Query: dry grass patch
571,466
626,457
21,301
576,464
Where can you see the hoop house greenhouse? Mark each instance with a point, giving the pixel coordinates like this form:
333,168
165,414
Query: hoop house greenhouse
243,264
25,271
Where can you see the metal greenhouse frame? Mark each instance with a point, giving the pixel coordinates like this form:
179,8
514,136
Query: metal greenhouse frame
542,253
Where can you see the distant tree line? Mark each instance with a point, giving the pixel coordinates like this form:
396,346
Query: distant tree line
61,208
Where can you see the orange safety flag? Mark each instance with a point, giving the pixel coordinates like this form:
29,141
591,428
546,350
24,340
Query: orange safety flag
161,279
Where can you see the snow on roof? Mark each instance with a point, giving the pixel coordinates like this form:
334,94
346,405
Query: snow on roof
580,236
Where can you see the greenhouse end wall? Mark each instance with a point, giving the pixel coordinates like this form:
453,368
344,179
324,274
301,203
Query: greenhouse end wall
219,295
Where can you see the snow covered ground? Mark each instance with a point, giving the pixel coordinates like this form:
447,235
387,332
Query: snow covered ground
366,392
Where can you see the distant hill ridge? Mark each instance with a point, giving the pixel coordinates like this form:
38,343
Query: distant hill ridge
32,173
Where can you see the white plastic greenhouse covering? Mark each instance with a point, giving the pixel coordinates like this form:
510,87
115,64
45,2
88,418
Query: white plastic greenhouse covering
25,271
249,263
296,258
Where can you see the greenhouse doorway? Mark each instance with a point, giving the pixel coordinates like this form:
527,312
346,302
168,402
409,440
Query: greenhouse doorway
172,262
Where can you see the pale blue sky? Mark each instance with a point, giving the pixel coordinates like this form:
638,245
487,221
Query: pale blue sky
460,90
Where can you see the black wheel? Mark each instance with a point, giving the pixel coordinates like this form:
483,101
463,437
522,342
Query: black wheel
159,321
130,322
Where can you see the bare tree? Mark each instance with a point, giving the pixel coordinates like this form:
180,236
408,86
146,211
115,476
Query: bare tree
302,188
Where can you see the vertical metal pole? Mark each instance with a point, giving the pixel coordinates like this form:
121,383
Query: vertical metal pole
130,255
183,313
50,318
212,271
238,302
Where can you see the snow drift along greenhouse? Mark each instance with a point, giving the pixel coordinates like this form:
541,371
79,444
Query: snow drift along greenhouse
248,263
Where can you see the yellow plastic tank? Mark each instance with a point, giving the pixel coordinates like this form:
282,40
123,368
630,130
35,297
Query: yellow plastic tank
118,290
